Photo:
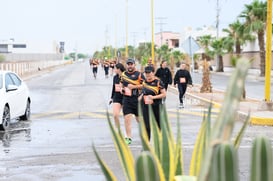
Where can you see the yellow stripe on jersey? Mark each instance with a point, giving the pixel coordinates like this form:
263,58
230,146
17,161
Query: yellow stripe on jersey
130,81
155,89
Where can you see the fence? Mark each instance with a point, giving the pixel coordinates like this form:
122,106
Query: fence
28,67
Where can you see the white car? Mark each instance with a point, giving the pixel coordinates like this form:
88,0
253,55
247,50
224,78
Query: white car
14,99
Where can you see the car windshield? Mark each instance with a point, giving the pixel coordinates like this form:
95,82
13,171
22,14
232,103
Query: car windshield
1,81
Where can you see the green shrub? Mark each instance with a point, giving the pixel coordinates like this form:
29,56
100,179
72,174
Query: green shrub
2,58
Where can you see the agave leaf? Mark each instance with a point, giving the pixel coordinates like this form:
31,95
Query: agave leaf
224,123
105,169
224,165
208,131
261,160
240,134
178,158
156,136
164,114
198,149
185,178
142,130
124,153
147,168
167,152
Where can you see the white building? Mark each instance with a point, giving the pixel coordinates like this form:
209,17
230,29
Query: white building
12,46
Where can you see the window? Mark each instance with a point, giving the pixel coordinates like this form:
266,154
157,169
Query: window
8,81
3,48
19,45
15,79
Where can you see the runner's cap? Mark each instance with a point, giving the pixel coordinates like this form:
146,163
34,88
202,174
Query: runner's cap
149,69
130,61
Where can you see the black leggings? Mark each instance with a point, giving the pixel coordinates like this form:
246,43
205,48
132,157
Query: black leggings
156,112
181,89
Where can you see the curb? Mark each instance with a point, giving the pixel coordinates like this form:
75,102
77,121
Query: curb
262,121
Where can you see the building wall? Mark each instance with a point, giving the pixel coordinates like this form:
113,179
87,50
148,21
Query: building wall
166,38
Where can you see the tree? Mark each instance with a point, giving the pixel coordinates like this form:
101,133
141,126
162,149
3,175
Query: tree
143,52
177,57
218,50
164,53
205,42
255,22
237,36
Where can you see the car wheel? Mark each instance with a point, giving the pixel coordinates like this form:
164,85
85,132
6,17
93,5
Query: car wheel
26,116
6,119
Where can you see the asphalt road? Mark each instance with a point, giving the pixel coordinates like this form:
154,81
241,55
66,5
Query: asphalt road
68,115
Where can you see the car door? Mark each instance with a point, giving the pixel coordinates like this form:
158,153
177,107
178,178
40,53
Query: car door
13,96
21,95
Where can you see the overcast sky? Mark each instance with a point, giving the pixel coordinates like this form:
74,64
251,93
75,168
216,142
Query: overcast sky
87,25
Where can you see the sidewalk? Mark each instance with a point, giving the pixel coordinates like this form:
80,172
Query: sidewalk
257,117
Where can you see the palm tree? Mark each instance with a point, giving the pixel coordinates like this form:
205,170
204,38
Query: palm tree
143,52
255,22
164,53
237,36
177,57
205,42
218,50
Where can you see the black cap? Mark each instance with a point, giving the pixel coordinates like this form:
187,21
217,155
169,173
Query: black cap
130,61
149,69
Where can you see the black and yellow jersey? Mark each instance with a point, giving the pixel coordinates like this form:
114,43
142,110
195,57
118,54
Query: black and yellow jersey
153,88
135,78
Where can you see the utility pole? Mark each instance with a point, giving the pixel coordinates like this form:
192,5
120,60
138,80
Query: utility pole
217,31
106,42
152,25
134,34
268,52
161,23
217,19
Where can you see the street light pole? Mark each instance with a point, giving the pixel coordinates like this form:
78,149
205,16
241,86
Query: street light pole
268,50
152,25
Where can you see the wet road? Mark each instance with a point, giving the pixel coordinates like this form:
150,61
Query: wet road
68,115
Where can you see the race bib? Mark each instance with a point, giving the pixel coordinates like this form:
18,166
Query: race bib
148,100
127,91
117,87
182,80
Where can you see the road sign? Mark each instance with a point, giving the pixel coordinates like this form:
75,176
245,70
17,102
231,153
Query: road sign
190,46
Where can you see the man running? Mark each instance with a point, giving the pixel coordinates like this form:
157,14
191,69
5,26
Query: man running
131,81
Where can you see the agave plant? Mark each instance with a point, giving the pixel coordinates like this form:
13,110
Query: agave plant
162,156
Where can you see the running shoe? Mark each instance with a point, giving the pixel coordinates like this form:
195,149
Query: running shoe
128,141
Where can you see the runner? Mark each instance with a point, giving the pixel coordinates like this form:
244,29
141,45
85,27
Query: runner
153,92
164,74
116,96
131,84
112,66
182,78
106,65
95,64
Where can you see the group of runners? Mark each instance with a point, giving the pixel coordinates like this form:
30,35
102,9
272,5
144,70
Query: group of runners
149,87
107,65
